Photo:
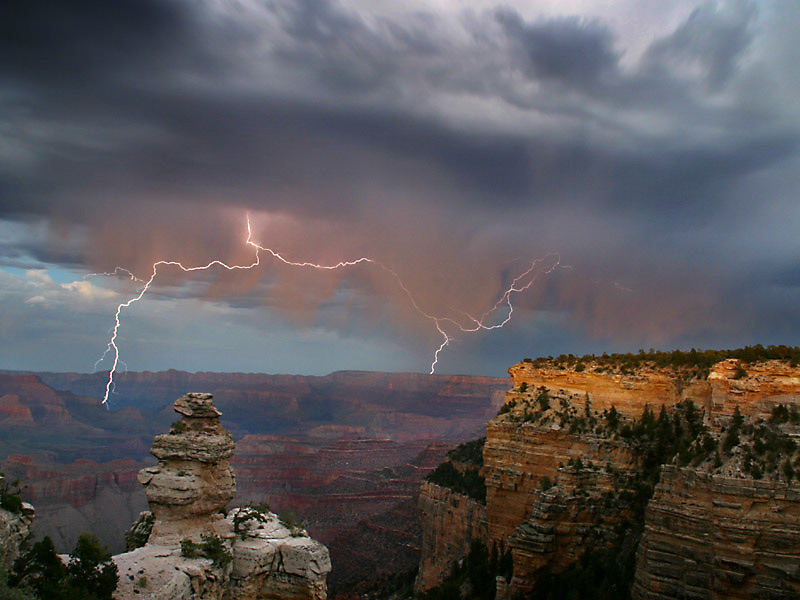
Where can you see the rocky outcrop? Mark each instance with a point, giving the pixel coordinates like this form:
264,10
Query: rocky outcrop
450,521
713,536
561,480
15,527
193,479
194,550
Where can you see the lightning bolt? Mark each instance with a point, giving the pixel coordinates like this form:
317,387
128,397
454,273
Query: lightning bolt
519,284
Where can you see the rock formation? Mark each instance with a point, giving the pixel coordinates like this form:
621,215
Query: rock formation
450,522
712,536
570,461
194,550
15,527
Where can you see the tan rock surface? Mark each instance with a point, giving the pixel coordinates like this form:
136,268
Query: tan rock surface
450,521
711,536
186,490
707,534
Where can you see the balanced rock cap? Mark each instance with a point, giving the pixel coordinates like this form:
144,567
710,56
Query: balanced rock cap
197,406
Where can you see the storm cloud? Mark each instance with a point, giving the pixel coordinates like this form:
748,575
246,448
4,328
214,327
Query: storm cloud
653,147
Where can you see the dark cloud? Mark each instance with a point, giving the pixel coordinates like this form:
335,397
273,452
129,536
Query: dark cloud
709,43
568,50
447,145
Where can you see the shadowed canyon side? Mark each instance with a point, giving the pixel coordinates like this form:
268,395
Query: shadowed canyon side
575,487
194,550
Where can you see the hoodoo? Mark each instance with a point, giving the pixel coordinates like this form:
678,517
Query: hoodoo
194,549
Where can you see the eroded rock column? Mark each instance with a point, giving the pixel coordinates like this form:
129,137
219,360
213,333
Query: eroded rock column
193,479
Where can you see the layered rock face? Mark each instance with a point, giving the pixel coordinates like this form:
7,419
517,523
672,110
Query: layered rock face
450,521
194,551
570,453
713,536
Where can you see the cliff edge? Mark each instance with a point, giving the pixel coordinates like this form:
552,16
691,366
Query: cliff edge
644,482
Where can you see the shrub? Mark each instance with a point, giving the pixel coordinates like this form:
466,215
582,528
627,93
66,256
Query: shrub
91,568
9,495
91,573
189,549
211,547
12,503
470,483
245,514
469,452
214,548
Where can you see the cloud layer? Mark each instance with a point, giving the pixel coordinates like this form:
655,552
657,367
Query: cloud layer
653,146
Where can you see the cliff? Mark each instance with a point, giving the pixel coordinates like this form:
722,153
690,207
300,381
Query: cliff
450,521
193,550
576,490
16,518
713,536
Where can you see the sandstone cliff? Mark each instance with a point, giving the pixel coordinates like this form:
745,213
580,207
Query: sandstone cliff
708,535
450,521
194,550
570,466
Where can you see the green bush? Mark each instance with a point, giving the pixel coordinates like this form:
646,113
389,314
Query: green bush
469,452
211,547
469,483
91,568
9,495
90,575
12,503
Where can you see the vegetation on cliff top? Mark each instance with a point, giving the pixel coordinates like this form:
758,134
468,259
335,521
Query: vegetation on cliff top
461,471
696,361
90,574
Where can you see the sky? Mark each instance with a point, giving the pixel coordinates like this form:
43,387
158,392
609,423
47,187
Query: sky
638,159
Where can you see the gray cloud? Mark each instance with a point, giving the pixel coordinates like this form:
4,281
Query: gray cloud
447,145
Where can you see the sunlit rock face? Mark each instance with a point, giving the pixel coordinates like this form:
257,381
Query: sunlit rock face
195,550
722,520
450,521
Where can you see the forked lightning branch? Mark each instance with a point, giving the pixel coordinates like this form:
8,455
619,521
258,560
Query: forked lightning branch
486,321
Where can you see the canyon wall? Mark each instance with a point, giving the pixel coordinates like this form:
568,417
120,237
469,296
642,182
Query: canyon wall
450,521
569,461
713,536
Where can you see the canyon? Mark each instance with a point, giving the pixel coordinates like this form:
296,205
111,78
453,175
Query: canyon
574,486
345,453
